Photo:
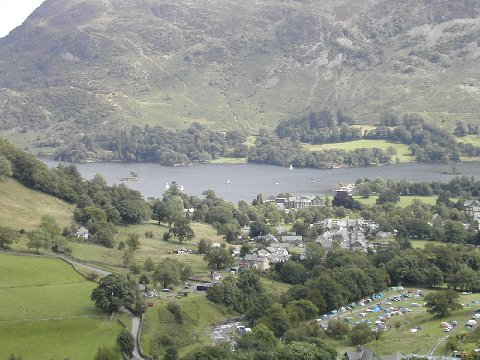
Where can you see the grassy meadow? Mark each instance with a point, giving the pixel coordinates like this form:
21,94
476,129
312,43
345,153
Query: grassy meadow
22,208
403,153
404,200
46,311
229,160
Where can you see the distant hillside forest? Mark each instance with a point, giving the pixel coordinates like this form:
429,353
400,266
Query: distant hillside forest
80,66
283,147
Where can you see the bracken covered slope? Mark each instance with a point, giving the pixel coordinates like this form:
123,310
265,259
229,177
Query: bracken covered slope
84,66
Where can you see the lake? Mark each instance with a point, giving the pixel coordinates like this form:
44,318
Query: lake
236,182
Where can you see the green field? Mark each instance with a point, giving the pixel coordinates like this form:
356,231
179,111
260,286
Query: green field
22,208
199,314
403,152
229,160
470,139
404,200
46,311
420,244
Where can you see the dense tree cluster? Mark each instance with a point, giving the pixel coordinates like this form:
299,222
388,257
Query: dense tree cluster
156,144
428,143
99,206
284,152
319,128
115,291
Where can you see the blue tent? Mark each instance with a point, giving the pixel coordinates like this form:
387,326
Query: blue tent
377,309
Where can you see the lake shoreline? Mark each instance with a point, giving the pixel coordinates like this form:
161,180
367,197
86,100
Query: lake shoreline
235,182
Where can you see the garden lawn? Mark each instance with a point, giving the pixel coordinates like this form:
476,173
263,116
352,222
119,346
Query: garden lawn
46,311
199,315
22,208
403,152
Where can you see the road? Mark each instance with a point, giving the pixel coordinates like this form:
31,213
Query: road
136,323
436,345
85,266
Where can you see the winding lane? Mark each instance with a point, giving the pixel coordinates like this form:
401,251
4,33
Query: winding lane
136,323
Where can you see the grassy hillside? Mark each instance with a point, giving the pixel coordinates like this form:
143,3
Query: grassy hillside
46,311
83,66
22,208
199,314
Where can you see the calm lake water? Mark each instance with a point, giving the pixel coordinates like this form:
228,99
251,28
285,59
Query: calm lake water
248,180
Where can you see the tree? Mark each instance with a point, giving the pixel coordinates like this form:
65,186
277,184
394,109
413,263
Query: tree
133,242
114,291
182,230
314,254
159,211
38,238
306,351
276,319
107,353
434,276
90,213
440,303
261,338
185,273
231,232
174,210
453,231
219,258
7,236
149,265
388,197
167,272
170,353
204,246
103,233
127,257
338,328
361,334
342,198
258,228
5,168
126,342
301,310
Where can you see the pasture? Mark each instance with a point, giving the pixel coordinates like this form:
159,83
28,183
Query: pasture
403,152
404,200
46,311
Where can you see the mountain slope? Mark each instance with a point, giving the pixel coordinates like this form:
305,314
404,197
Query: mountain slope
85,66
